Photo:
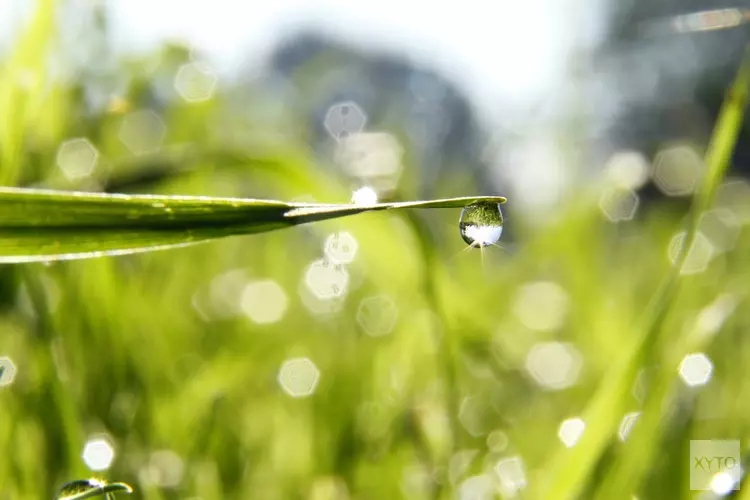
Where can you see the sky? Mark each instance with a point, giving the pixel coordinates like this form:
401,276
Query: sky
504,54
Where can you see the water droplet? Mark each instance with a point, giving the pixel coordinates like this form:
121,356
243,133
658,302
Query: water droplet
481,224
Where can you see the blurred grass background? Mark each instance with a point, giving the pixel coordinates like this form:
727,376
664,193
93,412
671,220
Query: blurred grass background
440,374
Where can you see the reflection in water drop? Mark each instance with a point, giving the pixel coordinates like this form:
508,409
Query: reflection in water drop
481,224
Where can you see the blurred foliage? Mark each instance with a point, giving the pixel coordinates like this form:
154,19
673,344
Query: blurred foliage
154,352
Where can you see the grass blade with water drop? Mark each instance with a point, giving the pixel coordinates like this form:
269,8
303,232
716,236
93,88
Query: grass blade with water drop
41,225
86,488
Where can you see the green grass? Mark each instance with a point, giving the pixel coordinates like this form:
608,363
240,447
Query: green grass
151,351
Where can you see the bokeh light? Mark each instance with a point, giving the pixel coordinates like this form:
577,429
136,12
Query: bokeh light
299,377
570,431
142,131
627,170
698,256
619,204
77,158
479,487
341,247
626,424
264,301
696,369
541,305
734,195
497,441
374,158
722,483
344,120
98,453
459,464
326,280
195,82
164,468
511,473
7,371
554,365
721,227
377,315
677,169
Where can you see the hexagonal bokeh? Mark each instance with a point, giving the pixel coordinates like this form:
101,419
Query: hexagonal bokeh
224,294
700,254
473,415
459,463
7,371
298,377
542,305
478,487
677,170
696,369
344,119
341,248
554,365
627,423
377,315
497,441
511,474
264,301
570,431
142,131
734,195
77,158
619,204
722,228
627,170
98,453
164,468
371,155
320,307
195,82
326,280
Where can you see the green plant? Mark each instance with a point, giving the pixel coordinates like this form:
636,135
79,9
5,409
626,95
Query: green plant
39,225
89,488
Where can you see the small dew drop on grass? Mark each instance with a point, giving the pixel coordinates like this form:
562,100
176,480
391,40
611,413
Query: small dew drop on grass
481,224
91,488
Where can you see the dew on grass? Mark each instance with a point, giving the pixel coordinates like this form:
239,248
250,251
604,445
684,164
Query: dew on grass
89,488
481,224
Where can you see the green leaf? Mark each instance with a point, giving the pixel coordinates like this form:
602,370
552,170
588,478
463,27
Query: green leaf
89,488
42,225
571,470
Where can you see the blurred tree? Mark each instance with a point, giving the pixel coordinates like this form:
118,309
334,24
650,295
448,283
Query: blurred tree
429,114
669,64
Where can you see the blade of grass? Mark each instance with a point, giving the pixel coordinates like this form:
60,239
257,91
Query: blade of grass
21,87
79,490
571,468
633,463
42,225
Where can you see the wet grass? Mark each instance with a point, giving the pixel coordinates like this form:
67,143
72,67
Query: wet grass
152,352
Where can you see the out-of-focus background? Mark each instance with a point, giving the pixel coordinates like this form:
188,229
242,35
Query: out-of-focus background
374,357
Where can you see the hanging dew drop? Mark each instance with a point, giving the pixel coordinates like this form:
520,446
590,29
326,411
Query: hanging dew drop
481,224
